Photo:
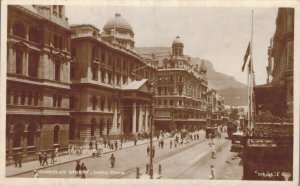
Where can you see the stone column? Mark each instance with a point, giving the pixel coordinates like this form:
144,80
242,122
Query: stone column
25,63
10,144
134,117
10,58
146,118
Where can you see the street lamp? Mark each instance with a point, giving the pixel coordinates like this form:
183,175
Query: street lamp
151,128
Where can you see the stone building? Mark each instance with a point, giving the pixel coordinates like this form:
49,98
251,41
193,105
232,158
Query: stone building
181,92
110,82
215,102
38,83
276,97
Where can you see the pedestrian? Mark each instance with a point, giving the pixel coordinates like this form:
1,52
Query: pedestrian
45,159
159,142
94,151
15,157
148,150
212,172
91,144
40,157
35,174
77,168
52,157
83,169
135,141
116,145
96,145
162,144
112,160
20,159
213,152
153,151
170,143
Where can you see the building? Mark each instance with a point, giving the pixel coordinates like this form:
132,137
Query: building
38,83
181,92
216,109
269,147
111,94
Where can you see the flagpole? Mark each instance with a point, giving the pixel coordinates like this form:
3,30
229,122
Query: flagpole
251,79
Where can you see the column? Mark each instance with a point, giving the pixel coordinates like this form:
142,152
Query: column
10,61
24,141
25,63
115,118
10,144
146,118
134,117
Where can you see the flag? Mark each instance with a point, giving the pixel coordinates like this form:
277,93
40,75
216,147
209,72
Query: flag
246,56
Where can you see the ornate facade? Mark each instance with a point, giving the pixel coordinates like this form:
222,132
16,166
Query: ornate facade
181,92
110,82
38,83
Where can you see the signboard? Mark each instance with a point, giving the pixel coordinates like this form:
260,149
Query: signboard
261,143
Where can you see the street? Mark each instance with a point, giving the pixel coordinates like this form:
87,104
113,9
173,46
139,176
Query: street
189,161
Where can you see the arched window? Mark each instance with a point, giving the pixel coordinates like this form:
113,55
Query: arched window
19,29
19,61
33,35
18,132
33,65
56,134
31,133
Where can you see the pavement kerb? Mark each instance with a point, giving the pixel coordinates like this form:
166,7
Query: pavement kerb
68,161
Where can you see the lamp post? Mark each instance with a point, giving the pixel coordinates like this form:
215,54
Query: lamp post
151,128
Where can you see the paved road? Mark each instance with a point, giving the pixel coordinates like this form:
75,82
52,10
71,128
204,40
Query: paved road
193,163
126,161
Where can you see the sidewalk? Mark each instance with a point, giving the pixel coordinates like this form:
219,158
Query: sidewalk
30,166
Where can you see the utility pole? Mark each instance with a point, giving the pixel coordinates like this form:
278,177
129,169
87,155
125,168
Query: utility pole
151,128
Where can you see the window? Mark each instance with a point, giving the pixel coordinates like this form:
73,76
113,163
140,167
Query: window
29,98
94,102
102,103
118,79
8,92
60,42
180,103
72,130
103,76
109,78
33,64
31,134
55,10
59,99
33,35
60,11
73,51
165,102
171,102
166,90
36,99
124,64
54,100
72,71
23,96
18,132
124,79
72,102
19,61
94,52
171,78
103,57
16,97
95,71
56,134
55,41
159,102
57,70
19,29
109,104
159,90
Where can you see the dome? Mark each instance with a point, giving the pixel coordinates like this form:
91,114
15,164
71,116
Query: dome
177,40
117,22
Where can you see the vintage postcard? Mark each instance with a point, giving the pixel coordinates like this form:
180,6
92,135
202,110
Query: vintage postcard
149,92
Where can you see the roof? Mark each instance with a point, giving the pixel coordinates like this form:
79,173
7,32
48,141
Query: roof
117,22
177,40
135,85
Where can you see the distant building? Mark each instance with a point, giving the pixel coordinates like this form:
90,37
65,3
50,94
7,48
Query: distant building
181,99
38,83
216,104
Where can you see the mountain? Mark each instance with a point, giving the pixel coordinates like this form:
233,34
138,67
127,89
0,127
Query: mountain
234,92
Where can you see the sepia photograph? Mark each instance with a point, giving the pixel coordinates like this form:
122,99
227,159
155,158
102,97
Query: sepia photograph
149,93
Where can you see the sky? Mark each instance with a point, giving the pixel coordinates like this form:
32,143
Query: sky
218,34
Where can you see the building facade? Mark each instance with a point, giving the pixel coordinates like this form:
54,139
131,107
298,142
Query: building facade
111,94
38,83
181,92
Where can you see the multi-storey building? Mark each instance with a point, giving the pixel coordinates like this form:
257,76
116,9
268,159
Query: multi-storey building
269,145
38,84
110,82
216,106
181,91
